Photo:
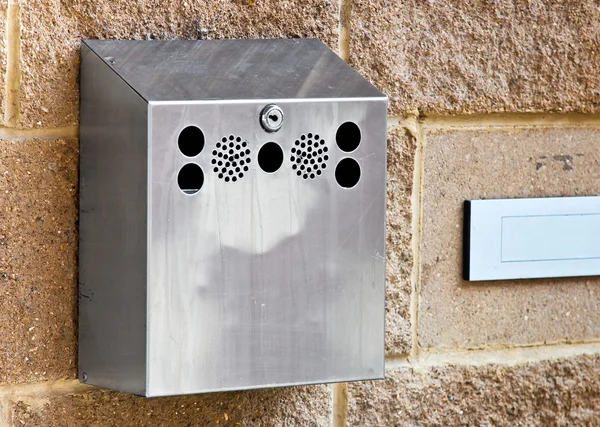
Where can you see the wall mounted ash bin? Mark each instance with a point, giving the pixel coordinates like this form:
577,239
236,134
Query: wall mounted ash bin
232,224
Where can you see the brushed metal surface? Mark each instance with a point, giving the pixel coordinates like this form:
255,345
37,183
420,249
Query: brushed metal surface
192,70
532,238
112,229
271,280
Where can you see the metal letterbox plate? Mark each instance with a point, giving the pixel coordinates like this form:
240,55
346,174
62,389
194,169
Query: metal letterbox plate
255,258
532,238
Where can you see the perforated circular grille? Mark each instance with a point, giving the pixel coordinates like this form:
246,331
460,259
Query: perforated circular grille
309,156
230,158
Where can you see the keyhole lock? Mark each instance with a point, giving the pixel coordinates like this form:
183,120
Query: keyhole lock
271,118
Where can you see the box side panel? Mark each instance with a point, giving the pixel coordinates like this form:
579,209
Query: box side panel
113,218
274,278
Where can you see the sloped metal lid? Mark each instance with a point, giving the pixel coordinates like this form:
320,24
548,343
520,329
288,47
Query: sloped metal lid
197,70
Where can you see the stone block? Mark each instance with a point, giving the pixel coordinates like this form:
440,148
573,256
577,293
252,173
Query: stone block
501,163
480,56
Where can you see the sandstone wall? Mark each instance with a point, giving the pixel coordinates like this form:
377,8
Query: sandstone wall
487,99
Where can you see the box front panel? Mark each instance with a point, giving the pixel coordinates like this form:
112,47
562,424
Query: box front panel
267,250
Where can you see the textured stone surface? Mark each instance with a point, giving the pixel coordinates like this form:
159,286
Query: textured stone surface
52,30
480,56
462,165
3,54
38,264
561,392
400,161
294,406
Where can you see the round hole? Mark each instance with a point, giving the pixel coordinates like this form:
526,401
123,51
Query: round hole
310,135
299,173
213,161
305,176
231,139
226,179
234,179
294,167
245,168
303,137
220,176
312,176
241,175
238,139
347,173
318,172
191,141
348,137
248,160
190,178
224,139
216,169
270,157
244,144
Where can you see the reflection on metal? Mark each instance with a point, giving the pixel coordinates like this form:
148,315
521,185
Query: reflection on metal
531,238
232,230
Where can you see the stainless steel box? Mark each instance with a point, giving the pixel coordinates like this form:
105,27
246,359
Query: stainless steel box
232,216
